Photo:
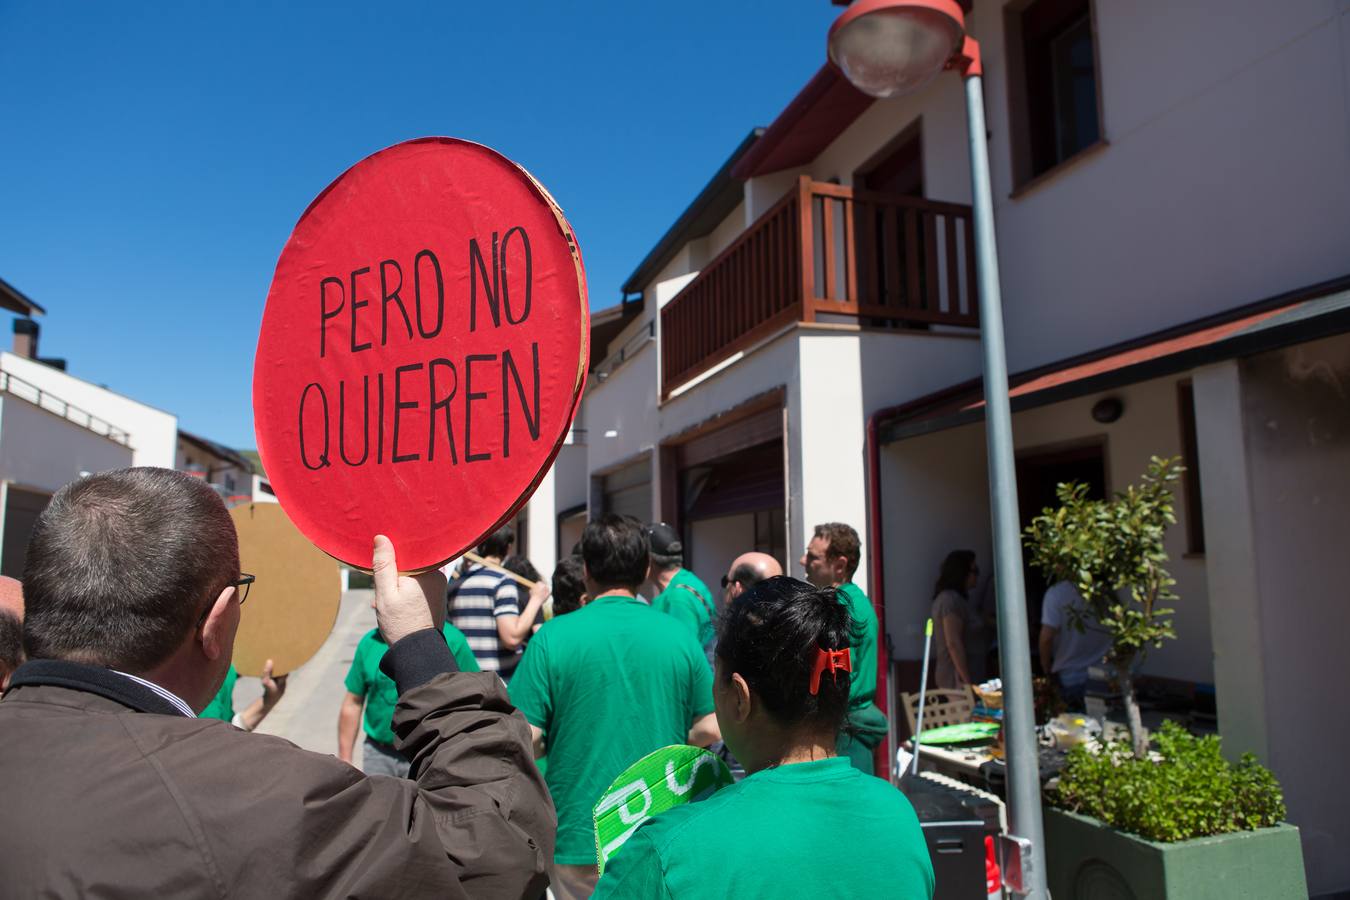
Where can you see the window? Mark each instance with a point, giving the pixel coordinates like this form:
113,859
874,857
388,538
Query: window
1190,479
1053,84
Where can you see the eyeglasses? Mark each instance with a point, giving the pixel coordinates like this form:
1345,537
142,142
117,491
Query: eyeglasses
243,584
240,586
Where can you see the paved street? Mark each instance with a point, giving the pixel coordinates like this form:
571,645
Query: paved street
307,715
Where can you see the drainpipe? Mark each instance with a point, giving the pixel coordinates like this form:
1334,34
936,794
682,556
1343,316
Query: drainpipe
876,581
876,555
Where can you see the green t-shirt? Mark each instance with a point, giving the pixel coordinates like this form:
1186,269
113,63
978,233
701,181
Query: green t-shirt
863,678
222,704
815,829
688,599
607,684
364,679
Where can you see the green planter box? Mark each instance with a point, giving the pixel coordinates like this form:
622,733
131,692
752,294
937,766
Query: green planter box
1088,860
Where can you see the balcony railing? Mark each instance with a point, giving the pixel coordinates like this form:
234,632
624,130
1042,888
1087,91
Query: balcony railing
824,252
12,384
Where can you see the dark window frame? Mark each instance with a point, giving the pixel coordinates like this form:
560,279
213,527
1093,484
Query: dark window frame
1031,28
1192,498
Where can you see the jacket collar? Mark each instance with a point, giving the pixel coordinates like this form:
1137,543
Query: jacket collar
94,680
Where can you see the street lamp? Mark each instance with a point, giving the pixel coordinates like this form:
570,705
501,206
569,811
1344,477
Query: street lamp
888,48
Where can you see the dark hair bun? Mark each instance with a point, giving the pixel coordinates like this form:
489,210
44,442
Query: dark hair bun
771,635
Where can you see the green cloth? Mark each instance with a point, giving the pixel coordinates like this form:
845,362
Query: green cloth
869,728
222,704
607,685
816,829
863,678
365,680
679,600
863,716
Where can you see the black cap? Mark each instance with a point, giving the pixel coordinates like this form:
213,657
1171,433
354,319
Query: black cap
665,540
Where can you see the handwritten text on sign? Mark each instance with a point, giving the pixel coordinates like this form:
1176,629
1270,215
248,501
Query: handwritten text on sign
492,383
422,352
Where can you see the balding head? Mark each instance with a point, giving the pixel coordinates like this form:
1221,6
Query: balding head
749,569
11,627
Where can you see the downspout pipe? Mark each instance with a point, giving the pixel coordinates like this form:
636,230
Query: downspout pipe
876,577
876,556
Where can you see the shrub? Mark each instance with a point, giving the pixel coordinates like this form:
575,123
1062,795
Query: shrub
1106,547
1192,791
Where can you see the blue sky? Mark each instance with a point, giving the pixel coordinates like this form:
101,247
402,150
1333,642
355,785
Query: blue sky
155,156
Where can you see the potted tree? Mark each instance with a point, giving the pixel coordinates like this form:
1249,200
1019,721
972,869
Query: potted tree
1178,822
1109,548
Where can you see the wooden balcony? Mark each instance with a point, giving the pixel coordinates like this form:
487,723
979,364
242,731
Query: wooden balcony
824,252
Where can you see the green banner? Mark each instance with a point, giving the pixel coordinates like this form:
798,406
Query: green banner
661,780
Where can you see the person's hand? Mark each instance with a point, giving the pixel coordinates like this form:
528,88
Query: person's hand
539,593
273,688
404,603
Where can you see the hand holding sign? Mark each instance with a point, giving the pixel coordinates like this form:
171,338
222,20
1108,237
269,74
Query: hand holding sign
404,603
422,352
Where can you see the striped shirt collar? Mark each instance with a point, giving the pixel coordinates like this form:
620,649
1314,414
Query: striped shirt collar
166,694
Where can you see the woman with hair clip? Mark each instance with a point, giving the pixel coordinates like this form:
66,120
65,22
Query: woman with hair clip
804,822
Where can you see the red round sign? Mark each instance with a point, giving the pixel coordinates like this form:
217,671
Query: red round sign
422,352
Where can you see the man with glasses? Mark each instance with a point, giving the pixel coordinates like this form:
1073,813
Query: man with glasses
830,560
222,705
112,784
746,571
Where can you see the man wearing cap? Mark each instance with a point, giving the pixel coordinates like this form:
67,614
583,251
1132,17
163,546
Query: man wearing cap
680,593
830,560
114,787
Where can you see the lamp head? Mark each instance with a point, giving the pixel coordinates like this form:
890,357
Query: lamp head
888,48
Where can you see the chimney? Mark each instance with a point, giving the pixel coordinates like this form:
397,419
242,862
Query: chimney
26,338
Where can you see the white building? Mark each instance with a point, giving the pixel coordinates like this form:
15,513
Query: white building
223,468
152,433
1172,200
55,427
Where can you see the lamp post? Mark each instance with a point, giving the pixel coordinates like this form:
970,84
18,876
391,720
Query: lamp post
888,48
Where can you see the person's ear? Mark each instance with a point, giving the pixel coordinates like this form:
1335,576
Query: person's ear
583,600
740,690
217,636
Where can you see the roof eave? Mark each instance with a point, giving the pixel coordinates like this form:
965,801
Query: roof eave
14,300
681,231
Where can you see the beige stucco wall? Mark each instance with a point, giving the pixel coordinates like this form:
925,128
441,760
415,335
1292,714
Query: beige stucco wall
936,496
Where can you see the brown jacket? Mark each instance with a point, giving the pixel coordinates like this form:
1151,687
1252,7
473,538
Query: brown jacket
108,794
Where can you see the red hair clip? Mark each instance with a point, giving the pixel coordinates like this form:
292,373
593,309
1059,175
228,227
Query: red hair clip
834,660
